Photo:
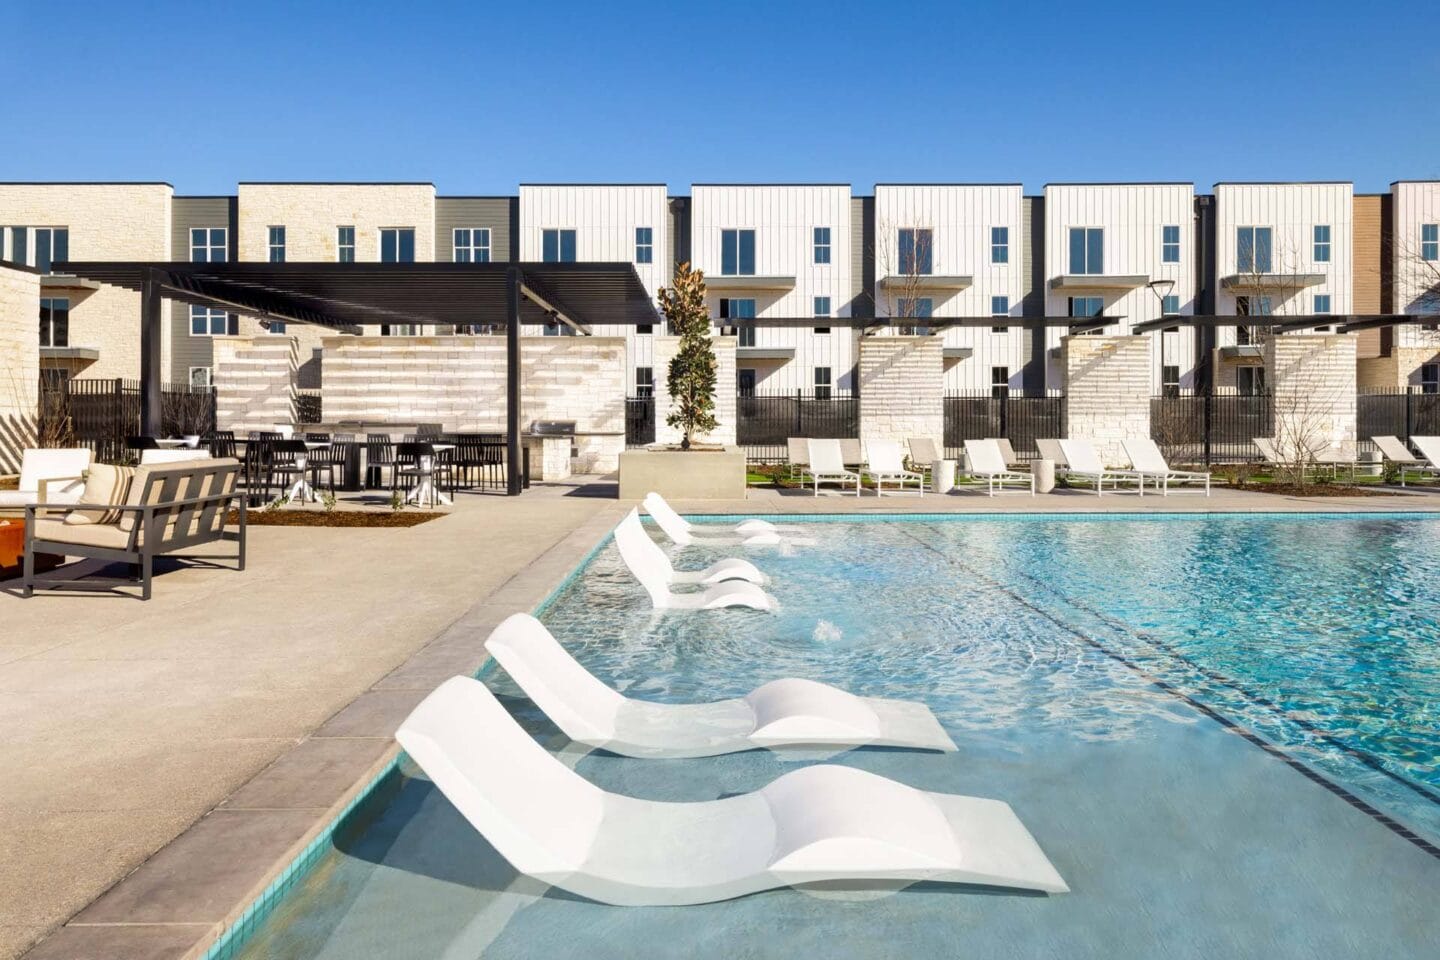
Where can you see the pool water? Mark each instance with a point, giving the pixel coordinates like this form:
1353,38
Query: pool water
1223,731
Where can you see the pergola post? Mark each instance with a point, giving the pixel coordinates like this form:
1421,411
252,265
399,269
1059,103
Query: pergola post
513,480
151,344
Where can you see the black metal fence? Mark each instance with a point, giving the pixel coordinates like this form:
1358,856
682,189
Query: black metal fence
100,414
1396,413
1205,428
309,407
1019,419
639,421
763,424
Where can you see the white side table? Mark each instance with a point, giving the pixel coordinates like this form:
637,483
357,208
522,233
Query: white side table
1044,471
942,476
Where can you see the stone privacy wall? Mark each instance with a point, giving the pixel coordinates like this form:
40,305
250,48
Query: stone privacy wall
19,364
459,383
902,388
664,350
1312,378
1107,391
255,382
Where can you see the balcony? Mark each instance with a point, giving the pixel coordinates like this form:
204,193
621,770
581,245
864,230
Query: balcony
765,354
1261,282
748,282
946,283
1079,282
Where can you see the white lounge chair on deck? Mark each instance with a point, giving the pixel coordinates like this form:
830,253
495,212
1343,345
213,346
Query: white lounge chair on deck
1394,451
1051,450
988,464
652,568
1149,462
884,461
924,451
1082,461
1007,452
48,475
797,454
1429,448
819,823
827,465
753,532
783,713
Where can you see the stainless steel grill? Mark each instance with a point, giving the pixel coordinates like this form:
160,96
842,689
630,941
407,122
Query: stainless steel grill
553,428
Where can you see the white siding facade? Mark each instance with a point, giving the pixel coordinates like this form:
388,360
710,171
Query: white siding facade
1133,217
1417,280
784,218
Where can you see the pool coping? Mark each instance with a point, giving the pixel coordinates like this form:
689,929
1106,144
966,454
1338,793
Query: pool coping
276,826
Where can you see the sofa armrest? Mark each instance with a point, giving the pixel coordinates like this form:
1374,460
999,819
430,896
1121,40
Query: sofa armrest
43,488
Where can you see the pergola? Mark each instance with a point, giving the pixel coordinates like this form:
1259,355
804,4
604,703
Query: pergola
1343,322
347,296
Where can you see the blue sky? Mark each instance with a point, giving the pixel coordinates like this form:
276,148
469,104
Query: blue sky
477,98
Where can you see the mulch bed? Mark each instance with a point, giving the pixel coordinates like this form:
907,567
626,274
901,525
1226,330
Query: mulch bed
1313,490
339,518
10,483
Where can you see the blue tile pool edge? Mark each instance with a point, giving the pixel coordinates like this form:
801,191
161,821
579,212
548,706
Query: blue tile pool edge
236,935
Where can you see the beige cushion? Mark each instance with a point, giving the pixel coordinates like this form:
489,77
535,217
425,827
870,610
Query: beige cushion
106,484
186,486
86,534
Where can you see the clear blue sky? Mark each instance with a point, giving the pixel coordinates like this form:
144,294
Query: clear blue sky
478,97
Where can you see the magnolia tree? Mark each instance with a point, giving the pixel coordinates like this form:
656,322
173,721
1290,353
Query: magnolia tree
692,375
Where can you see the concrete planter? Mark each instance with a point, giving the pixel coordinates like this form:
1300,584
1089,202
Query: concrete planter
683,474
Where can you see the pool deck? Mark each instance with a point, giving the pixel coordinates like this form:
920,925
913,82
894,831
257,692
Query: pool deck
167,759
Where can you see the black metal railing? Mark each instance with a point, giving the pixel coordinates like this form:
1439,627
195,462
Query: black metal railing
1021,420
1209,428
309,407
100,414
639,421
763,424
1402,412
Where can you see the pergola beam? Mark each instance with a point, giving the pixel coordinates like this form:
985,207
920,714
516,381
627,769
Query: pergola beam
536,293
1344,322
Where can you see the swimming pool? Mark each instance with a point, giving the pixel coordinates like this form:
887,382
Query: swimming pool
1221,730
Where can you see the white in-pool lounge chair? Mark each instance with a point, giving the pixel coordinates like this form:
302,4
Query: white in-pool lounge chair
988,464
1149,462
652,568
781,714
1083,462
1394,451
730,568
819,823
750,533
884,461
827,465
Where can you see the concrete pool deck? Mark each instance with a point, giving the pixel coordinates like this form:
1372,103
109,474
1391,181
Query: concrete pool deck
206,736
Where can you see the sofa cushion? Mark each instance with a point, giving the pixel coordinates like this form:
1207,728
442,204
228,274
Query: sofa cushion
85,534
106,484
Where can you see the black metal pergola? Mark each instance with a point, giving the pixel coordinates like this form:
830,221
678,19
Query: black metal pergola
347,296
1284,323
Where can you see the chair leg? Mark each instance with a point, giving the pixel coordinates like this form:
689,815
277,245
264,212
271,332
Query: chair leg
146,571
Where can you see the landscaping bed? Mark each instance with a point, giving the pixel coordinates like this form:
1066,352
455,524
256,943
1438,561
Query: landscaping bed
337,518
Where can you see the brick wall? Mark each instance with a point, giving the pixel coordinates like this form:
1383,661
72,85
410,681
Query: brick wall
1107,391
254,383
19,364
459,383
1313,380
902,388
663,351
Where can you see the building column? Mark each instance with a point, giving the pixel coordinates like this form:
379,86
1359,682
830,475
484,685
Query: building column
1107,391
513,457
152,348
254,382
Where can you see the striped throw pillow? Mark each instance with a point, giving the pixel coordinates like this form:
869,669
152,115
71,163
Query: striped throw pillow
105,484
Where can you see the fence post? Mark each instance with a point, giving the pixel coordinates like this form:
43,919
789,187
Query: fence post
1005,412
1208,397
799,413
1409,413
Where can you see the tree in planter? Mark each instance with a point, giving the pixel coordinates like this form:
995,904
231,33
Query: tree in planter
692,375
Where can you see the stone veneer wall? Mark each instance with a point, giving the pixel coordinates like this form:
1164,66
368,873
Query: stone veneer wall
1107,391
1312,379
1396,370
459,383
254,382
663,350
902,388
19,364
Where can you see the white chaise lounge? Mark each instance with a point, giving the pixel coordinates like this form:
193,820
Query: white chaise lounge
53,476
884,461
1149,462
1394,451
987,463
1429,448
1051,450
781,714
750,533
1084,463
827,465
821,823
652,568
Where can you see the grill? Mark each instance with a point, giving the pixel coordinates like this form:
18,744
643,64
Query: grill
553,428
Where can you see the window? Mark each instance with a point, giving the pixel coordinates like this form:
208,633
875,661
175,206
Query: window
1430,378
1087,306
1087,250
822,309
207,245
19,250
919,308
51,244
278,327
1251,307
746,334
644,329
745,381
1322,243
554,328
1170,380
999,244
1170,305
644,381
644,245
54,322
1429,242
208,322
200,378
737,308
52,380
999,382
400,330
1250,381
737,253
915,258
344,244
276,244
1170,244
472,245
822,383
1000,307
557,246
1322,303
822,244
397,245
1253,250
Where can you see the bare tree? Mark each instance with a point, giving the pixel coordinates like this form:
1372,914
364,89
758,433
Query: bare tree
902,273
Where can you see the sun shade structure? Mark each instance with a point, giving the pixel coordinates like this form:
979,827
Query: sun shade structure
822,823
346,296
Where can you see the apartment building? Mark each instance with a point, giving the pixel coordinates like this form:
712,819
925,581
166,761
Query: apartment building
1127,251
1410,355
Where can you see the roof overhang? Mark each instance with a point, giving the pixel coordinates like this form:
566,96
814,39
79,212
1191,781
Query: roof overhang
774,354
958,353
1247,351
88,354
949,283
749,283
1271,281
1080,282
64,283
